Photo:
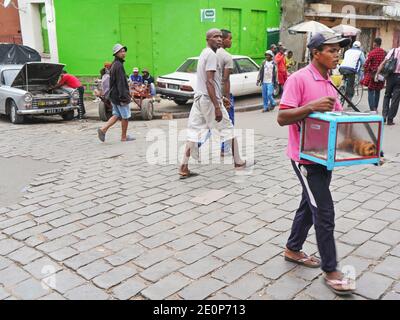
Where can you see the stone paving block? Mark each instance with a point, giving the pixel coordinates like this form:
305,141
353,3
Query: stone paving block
239,217
375,205
153,256
62,231
372,285
233,270
356,237
84,258
186,242
247,286
201,267
249,226
94,269
223,239
86,292
42,268
395,225
153,218
388,236
171,201
220,296
4,262
30,289
271,214
69,218
286,288
187,228
194,253
114,276
159,239
372,225
9,222
389,267
12,275
395,251
165,287
123,219
125,255
214,229
232,251
184,217
359,214
372,250
9,245
156,228
125,229
345,225
263,253
391,296
260,237
102,208
201,289
359,264
159,207
319,291
281,225
213,217
343,249
63,254
3,294
275,268
236,207
161,269
25,255
347,205
128,289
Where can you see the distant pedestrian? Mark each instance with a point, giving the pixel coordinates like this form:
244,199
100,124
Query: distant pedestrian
290,63
280,60
392,94
208,112
118,95
267,79
135,77
149,80
225,60
374,60
70,81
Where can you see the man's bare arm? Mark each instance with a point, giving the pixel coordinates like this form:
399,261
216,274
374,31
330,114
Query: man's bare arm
211,89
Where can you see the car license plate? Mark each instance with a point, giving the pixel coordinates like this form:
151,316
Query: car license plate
52,111
173,86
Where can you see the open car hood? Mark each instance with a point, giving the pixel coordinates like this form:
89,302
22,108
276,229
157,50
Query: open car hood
38,73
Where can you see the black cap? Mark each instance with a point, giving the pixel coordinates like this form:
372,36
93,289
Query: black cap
321,38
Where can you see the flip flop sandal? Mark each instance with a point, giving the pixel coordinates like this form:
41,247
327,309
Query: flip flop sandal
101,135
348,284
185,175
303,261
247,164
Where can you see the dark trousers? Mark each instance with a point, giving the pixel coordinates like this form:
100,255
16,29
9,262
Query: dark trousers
81,110
350,78
373,99
392,97
316,208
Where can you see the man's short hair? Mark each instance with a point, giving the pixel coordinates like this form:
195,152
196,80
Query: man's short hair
378,41
211,32
225,33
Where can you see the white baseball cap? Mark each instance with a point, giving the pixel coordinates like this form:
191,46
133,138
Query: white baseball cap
357,44
135,69
270,53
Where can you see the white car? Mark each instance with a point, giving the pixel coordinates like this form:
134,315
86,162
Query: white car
180,85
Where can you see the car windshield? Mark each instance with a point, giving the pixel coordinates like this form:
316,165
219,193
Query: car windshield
9,76
190,66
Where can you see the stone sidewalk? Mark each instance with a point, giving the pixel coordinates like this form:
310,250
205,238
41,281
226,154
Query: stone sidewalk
108,225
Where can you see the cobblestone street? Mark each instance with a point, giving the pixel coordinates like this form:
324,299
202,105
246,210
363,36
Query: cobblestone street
97,221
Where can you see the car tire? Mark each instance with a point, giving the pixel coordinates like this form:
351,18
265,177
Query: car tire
68,116
104,114
180,102
14,117
147,109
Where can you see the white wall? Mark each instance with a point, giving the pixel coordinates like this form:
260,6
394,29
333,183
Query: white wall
31,26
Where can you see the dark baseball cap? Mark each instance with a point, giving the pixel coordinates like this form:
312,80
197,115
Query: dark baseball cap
321,38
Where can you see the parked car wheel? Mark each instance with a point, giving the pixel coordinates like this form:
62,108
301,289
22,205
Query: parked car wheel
68,116
104,114
147,109
14,117
180,102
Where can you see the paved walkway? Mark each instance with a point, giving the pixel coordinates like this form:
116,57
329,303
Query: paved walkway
106,224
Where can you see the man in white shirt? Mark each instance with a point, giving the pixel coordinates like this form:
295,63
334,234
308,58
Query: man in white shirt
208,112
352,63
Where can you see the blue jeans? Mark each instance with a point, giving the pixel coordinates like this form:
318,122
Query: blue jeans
231,112
373,99
267,93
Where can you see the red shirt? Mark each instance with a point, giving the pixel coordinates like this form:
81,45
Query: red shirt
70,81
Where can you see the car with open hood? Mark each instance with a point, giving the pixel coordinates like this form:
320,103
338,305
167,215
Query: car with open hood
26,89
181,84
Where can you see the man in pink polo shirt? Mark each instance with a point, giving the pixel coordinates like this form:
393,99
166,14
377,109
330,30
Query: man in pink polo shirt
310,90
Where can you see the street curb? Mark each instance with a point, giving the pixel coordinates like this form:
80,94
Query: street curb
183,115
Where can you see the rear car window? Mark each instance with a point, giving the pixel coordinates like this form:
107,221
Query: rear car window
245,65
190,66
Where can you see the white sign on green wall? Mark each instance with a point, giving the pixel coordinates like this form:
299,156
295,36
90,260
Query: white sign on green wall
208,15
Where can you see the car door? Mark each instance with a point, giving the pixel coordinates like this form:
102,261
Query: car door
2,94
249,71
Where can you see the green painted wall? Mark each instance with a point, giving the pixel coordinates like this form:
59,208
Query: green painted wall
160,34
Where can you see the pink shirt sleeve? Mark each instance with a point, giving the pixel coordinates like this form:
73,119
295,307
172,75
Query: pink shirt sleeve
292,93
